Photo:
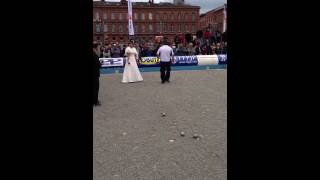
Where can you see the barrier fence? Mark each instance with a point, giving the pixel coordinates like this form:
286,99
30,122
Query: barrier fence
197,60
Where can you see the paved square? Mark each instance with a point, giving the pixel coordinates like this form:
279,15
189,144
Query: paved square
131,139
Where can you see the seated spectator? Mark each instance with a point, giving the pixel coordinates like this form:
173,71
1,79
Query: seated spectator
181,51
213,47
190,50
218,49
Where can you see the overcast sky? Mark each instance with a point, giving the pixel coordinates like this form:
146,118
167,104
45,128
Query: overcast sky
206,5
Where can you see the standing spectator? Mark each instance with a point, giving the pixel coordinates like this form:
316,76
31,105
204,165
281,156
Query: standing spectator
176,40
208,47
224,37
218,37
123,50
224,49
96,74
137,46
144,50
198,49
207,34
115,51
204,50
107,51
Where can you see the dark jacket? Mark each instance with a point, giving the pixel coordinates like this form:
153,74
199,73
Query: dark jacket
219,51
96,65
115,52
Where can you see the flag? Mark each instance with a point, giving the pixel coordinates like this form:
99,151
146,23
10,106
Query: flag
224,18
130,23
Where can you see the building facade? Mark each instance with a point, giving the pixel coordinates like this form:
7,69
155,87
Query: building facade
212,19
110,20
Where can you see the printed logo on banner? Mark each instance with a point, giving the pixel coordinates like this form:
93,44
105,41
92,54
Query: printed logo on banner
111,62
148,61
222,58
185,60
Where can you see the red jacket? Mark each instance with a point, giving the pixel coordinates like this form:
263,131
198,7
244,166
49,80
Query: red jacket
207,35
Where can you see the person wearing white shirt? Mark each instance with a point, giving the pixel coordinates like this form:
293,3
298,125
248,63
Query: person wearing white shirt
166,55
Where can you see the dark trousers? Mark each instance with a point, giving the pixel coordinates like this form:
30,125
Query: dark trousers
165,68
95,90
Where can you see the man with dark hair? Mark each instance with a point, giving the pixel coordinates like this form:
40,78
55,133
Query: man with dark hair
165,53
96,74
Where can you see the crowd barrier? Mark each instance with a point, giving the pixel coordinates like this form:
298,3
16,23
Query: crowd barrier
197,60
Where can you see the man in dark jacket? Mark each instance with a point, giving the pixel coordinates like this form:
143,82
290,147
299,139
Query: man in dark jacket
96,74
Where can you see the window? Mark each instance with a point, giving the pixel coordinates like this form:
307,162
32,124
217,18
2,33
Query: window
192,28
185,27
186,17
157,17
150,28
172,17
179,16
142,16
113,28
97,16
98,28
179,27
143,28
193,17
104,15
150,16
172,28
135,16
120,16
112,16
105,28
165,16
136,28
121,29
158,27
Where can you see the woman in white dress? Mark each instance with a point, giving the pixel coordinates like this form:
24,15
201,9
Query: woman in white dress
131,71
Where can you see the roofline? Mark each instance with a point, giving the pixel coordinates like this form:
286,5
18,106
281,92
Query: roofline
135,6
216,9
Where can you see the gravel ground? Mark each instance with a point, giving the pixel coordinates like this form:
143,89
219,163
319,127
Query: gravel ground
133,141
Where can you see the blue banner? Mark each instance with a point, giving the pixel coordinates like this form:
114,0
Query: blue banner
222,58
185,61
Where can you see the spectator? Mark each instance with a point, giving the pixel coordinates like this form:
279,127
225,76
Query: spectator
213,47
207,34
115,51
123,50
218,36
198,49
181,51
107,52
218,49
190,50
224,49
207,47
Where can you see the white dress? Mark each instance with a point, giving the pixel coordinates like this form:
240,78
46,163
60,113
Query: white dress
131,71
